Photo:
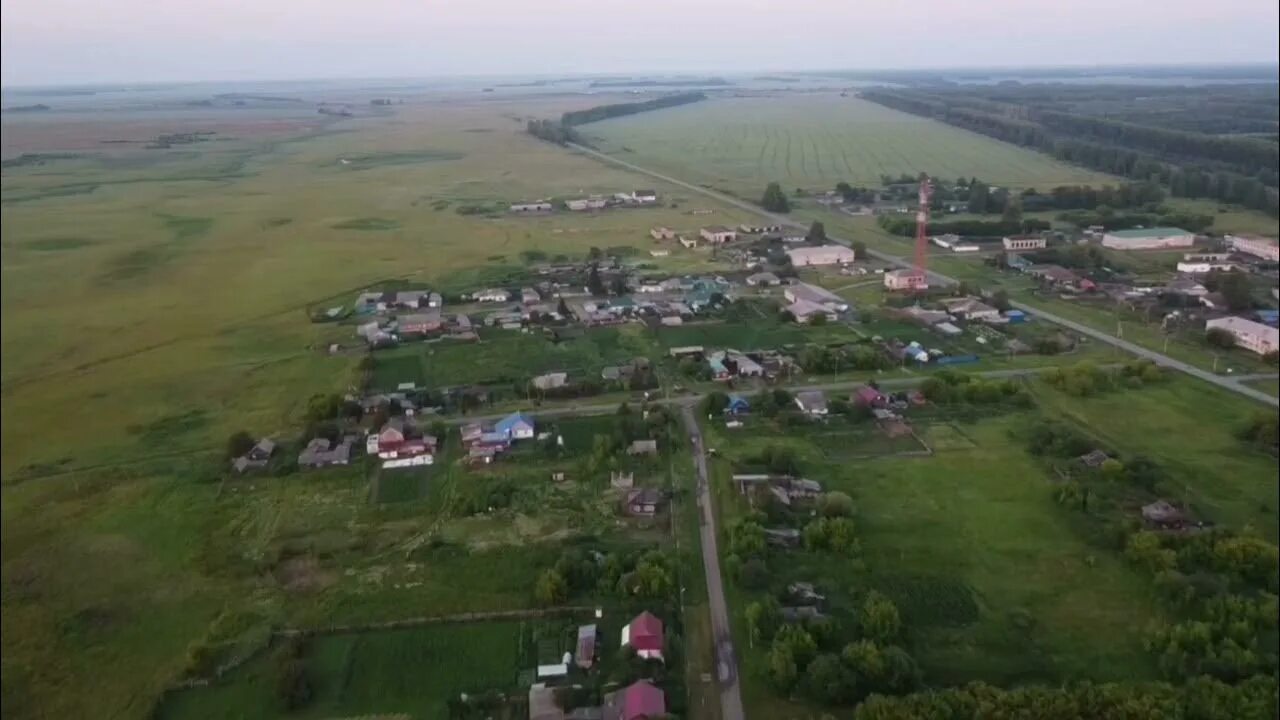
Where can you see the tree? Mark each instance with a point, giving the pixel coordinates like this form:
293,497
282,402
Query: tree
1000,300
239,443
715,403
829,681
562,308
859,249
836,504
551,588
1012,211
594,284
1145,550
817,234
782,667
1112,469
1234,286
1220,338
774,199
293,683
878,618
618,285
764,617
820,319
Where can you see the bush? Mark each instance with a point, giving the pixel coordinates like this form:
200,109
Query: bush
239,443
1220,338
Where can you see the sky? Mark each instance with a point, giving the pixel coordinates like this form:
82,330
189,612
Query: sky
99,41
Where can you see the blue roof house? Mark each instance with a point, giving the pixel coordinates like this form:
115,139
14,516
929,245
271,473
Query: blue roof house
738,405
516,426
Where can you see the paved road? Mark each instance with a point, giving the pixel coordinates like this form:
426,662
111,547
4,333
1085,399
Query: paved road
726,660
937,278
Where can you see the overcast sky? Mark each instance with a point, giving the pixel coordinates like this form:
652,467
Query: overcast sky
80,41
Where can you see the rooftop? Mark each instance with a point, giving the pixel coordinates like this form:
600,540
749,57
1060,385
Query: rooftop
1155,232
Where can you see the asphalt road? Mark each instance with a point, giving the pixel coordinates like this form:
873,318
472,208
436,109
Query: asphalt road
937,278
726,661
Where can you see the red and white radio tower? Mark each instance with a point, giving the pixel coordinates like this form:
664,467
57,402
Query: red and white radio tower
922,231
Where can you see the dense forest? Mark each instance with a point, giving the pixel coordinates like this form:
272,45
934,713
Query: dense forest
1203,155
562,132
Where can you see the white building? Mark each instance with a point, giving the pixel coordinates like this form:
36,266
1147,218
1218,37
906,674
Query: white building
492,295
821,255
816,295
532,207
1148,238
946,241
905,280
1202,267
662,233
717,234
1250,335
1265,248
805,311
595,202
1026,242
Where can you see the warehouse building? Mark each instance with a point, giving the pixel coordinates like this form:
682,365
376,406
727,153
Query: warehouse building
1148,238
821,255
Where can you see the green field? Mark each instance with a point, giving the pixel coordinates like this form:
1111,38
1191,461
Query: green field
412,671
994,580
813,142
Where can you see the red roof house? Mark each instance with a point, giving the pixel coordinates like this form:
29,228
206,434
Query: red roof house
867,396
644,633
638,701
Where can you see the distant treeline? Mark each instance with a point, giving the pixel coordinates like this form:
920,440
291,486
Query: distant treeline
706,82
41,107
604,112
562,132
1234,169
906,227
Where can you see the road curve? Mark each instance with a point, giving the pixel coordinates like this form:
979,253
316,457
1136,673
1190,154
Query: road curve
1226,383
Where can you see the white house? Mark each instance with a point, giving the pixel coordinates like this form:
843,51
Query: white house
1026,242
718,234
532,207
1250,335
812,402
1148,238
905,280
970,309
821,255
595,202
492,295
1203,267
805,311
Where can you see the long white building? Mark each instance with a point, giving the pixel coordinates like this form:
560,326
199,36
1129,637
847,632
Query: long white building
1265,248
1148,238
1250,335
821,255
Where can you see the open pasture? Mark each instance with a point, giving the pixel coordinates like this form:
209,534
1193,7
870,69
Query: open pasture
814,141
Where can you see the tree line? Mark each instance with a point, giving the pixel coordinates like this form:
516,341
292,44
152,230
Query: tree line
562,132
1237,170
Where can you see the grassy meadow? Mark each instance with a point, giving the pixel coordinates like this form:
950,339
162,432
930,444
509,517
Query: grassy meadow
812,142
152,305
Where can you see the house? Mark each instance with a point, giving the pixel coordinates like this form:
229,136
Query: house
947,241
867,396
435,300
643,447
542,703
800,613
662,233
1252,336
743,365
257,457
925,316
759,229
399,438
717,234
410,298
905,280
685,351
420,323
621,480
804,311
782,537
738,405
470,433
1025,242
1260,247
1161,514
968,308
1204,267
1213,300
492,295
816,295
320,452
1186,287
529,296
688,241
642,502
645,634
1055,275
1094,458
515,426
585,656
1148,238
763,279
595,202
640,700
550,381
812,402
531,207
659,253
639,197
805,593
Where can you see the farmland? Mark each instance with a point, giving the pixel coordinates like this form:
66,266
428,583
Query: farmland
813,142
